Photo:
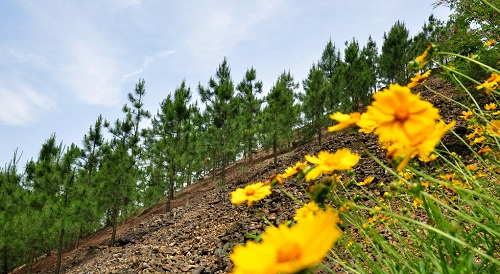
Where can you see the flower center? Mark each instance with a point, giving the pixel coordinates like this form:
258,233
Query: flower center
401,114
250,192
289,253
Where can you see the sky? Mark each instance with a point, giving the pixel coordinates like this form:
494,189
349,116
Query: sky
63,63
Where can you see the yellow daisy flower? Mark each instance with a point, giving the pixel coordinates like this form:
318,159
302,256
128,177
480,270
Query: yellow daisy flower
326,163
491,83
291,171
490,43
402,115
419,79
286,249
306,211
250,193
490,106
367,181
344,120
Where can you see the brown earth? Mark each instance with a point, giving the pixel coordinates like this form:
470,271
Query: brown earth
199,233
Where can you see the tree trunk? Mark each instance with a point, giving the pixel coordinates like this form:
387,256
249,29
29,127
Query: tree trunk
250,146
114,221
275,146
59,250
170,195
31,257
320,131
78,236
5,255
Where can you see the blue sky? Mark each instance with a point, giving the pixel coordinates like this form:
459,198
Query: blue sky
62,63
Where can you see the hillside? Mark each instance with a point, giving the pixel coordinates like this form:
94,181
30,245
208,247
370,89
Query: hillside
203,227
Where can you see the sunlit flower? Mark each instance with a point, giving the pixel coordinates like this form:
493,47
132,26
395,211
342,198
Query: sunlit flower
306,211
490,106
277,178
250,193
326,163
402,116
466,115
484,150
367,123
289,250
491,83
490,43
419,79
367,181
494,128
417,202
291,171
423,147
344,120
473,167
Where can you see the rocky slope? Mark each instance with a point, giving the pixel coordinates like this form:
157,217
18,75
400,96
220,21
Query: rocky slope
203,227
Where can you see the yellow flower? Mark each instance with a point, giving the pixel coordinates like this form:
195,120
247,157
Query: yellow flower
484,150
367,181
326,163
466,115
490,43
250,193
494,128
367,123
306,211
419,79
277,178
289,250
491,83
417,202
473,167
290,171
490,106
402,116
423,147
344,120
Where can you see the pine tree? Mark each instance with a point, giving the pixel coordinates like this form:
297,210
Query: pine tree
119,166
250,110
280,115
220,106
332,65
170,128
395,55
369,55
313,102
12,196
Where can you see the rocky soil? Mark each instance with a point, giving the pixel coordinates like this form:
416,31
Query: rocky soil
199,233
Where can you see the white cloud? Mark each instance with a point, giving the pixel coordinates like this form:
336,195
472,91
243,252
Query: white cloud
219,28
22,105
32,59
147,61
91,74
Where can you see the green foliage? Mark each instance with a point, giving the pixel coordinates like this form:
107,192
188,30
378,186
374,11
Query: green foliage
280,115
332,66
359,74
221,108
395,57
169,141
471,22
314,103
250,110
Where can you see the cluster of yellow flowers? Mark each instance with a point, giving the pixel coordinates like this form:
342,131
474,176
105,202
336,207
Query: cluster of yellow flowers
405,124
286,249
482,133
293,249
